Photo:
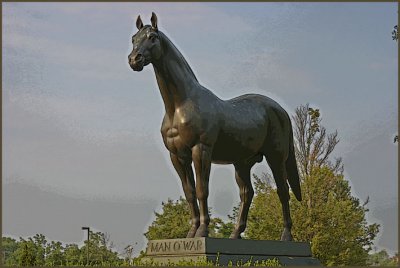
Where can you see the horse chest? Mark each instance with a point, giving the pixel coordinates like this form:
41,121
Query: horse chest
178,133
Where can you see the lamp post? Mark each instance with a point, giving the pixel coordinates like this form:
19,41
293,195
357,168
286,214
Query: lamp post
87,248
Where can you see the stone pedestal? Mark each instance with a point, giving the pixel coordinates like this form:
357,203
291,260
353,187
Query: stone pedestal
235,250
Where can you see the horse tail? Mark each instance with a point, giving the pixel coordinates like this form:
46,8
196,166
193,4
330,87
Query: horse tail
291,169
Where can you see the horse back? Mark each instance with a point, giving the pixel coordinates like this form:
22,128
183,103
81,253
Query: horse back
248,123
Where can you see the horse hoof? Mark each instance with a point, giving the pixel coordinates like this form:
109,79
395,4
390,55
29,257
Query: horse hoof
286,236
202,231
235,236
192,231
191,234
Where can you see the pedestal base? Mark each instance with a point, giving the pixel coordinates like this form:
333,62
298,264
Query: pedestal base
226,250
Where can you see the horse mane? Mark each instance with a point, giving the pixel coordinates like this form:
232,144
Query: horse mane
166,43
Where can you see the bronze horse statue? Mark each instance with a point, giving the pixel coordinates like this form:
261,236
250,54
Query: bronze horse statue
200,127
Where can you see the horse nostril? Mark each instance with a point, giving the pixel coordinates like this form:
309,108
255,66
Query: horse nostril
138,57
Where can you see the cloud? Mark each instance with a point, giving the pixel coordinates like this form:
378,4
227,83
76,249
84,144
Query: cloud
83,61
94,120
174,15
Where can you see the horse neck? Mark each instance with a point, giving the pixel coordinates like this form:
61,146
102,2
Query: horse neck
174,76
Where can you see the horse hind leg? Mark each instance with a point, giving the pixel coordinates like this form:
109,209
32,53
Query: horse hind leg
280,175
242,174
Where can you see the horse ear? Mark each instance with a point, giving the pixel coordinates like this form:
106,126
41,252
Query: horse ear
139,23
154,20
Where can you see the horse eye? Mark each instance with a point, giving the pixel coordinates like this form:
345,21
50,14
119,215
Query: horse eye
152,37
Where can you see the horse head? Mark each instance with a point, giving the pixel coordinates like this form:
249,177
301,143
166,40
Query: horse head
146,44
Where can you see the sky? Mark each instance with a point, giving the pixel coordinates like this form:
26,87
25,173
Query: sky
81,139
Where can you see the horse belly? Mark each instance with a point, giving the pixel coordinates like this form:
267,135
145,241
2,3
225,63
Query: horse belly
230,148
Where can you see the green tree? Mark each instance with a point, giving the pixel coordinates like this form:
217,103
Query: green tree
313,145
72,255
36,251
174,222
128,254
100,250
381,258
395,33
25,253
9,247
395,259
40,242
329,216
55,254
221,229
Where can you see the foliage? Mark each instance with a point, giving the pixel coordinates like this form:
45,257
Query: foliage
221,229
39,241
382,258
37,251
313,145
73,255
335,224
54,254
202,261
100,250
9,246
172,222
395,33
27,252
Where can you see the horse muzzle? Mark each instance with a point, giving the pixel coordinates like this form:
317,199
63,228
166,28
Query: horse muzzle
137,63
137,66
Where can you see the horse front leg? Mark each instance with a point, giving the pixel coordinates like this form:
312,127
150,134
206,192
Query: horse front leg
201,155
184,169
243,179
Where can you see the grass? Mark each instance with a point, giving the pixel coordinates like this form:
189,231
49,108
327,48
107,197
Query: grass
202,261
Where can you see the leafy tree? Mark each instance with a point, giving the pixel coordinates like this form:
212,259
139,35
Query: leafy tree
395,33
172,222
100,250
220,228
54,254
128,254
26,253
395,259
313,145
329,216
336,225
72,255
36,251
381,258
40,242
9,247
